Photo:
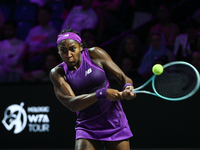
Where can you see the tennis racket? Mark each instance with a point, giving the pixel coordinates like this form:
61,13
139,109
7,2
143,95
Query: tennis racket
179,80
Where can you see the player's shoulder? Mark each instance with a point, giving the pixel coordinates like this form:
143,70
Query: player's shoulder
94,49
56,72
96,52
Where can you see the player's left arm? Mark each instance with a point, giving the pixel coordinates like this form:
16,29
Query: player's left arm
102,58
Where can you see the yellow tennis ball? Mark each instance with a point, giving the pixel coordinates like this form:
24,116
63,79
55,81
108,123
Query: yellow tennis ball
157,69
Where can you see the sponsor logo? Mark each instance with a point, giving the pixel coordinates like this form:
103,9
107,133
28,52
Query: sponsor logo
35,118
15,117
88,71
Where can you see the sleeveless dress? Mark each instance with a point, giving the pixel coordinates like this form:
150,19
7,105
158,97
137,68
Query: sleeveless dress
104,120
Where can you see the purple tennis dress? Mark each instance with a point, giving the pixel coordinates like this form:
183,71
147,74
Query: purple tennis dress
104,120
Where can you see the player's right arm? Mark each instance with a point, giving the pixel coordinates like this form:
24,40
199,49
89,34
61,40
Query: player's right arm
65,94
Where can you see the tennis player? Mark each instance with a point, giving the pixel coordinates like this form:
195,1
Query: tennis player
80,83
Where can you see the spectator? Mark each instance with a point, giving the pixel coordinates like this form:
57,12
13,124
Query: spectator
40,3
128,10
42,75
127,67
81,17
87,34
196,15
40,39
131,48
138,12
109,14
12,51
185,43
92,42
196,60
161,60
157,50
165,26
69,4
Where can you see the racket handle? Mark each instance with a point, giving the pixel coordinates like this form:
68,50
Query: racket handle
145,92
133,91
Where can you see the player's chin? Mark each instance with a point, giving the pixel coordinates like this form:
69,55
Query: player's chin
70,63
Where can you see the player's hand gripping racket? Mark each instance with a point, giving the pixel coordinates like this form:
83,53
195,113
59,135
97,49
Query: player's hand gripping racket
179,81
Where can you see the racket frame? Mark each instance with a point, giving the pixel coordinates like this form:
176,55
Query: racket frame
137,90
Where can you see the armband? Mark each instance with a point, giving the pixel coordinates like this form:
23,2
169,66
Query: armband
101,94
127,84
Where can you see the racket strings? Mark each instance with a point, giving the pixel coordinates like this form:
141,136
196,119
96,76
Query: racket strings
176,81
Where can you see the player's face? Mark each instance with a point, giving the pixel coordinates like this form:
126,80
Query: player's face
70,52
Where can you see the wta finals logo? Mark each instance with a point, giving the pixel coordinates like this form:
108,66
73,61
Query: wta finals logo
35,117
15,117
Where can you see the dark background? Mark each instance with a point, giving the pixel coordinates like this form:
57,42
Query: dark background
155,123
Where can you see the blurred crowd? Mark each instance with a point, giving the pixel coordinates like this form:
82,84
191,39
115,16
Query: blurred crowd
29,29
